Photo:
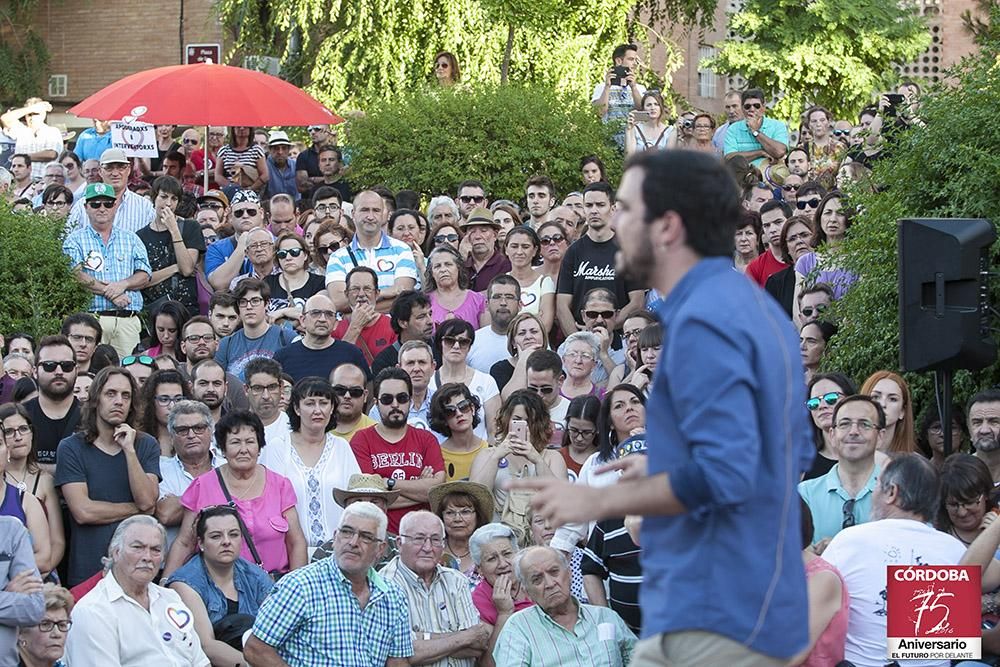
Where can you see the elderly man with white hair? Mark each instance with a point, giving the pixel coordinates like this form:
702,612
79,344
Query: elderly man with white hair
445,623
336,611
559,629
128,620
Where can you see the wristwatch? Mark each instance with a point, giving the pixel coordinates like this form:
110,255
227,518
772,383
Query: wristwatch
390,483
755,133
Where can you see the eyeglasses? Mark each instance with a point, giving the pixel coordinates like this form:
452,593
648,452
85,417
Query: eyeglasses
576,354
260,245
937,429
951,506
194,338
544,390
240,212
354,392
801,236
578,433
603,314
551,240
790,188
503,297
294,252
424,539
23,429
252,302
461,406
830,399
445,238
141,359
471,199
452,341
104,203
752,105
802,203
464,513
46,626
347,534
197,429
327,249
211,205
848,511
808,311
316,312
357,289
863,425
57,203
326,208
165,400
261,389
401,398
50,366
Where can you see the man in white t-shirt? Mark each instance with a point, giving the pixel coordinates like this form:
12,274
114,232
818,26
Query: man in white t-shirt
503,298
619,93
904,503
544,375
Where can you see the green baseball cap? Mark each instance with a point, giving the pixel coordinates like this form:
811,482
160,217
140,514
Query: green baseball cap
95,190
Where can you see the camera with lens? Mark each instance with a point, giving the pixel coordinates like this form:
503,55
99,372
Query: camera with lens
687,123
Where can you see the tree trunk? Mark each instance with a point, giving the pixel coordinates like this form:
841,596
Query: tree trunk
505,68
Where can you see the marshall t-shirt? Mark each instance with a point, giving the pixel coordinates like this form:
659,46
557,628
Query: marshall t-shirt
588,264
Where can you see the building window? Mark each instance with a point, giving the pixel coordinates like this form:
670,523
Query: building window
706,77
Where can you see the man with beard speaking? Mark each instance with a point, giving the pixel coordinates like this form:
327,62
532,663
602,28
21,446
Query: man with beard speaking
723,581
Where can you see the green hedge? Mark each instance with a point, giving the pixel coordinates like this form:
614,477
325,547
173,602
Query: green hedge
431,140
37,289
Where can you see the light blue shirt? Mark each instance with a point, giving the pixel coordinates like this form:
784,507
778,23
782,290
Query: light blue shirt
740,139
134,212
118,259
826,497
391,259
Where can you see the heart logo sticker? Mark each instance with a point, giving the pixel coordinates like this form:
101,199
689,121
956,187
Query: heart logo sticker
179,616
528,298
94,261
385,265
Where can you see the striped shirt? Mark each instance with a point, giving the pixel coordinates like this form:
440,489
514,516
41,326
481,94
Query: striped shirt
28,141
391,259
134,212
599,639
445,608
313,619
612,555
118,259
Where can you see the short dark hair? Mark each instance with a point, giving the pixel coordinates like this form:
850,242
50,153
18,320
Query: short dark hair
811,187
331,149
697,187
304,388
205,363
600,186
965,478
197,319
55,340
452,327
504,279
470,183
222,299
916,481
85,319
326,192
861,398
211,512
752,94
815,289
407,199
175,156
53,190
545,360
621,50
361,269
991,395
867,111
23,156
769,206
541,180
262,365
167,184
391,373
250,285
438,419
402,308
404,211
233,421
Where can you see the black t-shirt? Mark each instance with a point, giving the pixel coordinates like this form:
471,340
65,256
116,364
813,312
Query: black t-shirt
502,371
308,161
587,265
160,248
156,163
300,361
279,296
48,432
387,358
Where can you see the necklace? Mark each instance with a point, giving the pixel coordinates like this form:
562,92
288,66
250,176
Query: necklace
455,554
242,495
21,484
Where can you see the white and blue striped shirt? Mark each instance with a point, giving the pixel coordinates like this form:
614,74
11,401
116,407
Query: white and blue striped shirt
391,259
134,212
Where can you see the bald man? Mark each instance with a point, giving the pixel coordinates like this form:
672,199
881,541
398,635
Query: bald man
318,353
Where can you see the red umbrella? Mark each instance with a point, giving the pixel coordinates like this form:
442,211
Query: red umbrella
205,94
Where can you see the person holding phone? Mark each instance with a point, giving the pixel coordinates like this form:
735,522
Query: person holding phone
619,93
645,129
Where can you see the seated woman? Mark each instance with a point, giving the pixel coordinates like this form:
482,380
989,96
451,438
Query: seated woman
579,439
217,585
966,497
169,318
452,343
525,334
647,351
455,415
447,286
264,499
580,353
43,645
829,604
24,507
464,507
930,435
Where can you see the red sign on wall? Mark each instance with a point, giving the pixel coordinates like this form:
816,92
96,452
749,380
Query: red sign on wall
202,53
933,612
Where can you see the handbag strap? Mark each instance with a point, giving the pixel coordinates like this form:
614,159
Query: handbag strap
239,519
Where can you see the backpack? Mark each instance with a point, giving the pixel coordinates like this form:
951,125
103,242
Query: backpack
514,512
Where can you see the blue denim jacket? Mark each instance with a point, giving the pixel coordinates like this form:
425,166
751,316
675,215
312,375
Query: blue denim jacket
252,585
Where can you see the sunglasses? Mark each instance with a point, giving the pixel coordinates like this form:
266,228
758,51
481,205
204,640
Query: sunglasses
50,366
327,249
841,133
461,406
445,238
551,240
400,398
808,311
142,359
240,212
848,511
452,341
811,203
545,391
354,392
752,105
197,429
603,314
294,252
192,142
830,398
101,204
471,199
790,188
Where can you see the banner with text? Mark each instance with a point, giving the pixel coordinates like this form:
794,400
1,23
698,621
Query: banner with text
136,139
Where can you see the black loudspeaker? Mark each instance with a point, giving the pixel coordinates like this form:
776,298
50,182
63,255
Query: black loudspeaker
944,312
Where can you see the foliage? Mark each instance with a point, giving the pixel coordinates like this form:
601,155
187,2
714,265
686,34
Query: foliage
978,24
23,56
366,51
835,53
947,169
37,288
429,141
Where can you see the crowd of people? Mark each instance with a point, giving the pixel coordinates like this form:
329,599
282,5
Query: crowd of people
309,421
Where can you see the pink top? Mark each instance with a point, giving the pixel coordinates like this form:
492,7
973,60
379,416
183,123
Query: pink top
263,515
470,310
829,648
153,351
482,597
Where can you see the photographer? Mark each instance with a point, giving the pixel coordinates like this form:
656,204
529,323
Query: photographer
619,93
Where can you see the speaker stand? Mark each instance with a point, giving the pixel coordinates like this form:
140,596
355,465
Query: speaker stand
942,391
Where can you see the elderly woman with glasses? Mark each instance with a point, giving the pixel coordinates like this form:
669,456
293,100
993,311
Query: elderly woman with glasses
499,594
580,353
43,644
464,507
223,591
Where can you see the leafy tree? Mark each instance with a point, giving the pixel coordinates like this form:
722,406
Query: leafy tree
429,141
23,56
829,52
947,169
37,288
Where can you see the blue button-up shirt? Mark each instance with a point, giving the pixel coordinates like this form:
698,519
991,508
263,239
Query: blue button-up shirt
251,582
312,619
726,423
282,180
118,259
739,138
826,497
